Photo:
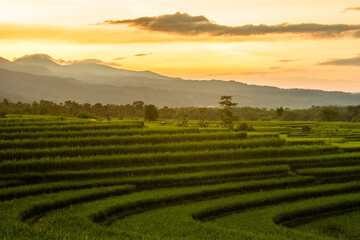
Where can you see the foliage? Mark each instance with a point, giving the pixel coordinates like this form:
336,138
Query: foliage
74,178
325,130
150,113
86,115
329,114
280,112
202,118
136,110
2,114
243,127
227,115
182,119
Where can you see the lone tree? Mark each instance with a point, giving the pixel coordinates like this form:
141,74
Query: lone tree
280,112
227,116
150,113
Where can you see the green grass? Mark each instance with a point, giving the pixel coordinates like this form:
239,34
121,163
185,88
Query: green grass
68,178
334,224
97,133
73,127
62,163
335,171
118,140
89,150
62,200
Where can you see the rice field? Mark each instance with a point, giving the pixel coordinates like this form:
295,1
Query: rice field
68,178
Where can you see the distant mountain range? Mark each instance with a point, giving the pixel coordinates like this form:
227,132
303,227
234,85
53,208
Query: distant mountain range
36,77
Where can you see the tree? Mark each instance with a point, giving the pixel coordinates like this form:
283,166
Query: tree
182,119
227,115
325,130
329,114
202,117
280,112
150,113
353,113
167,113
138,107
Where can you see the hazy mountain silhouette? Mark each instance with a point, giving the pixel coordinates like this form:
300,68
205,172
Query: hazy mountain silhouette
39,76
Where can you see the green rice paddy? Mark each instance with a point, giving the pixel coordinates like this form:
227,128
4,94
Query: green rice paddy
67,178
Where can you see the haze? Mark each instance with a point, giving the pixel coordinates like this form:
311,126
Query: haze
288,44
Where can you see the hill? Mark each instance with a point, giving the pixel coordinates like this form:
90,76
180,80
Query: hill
38,77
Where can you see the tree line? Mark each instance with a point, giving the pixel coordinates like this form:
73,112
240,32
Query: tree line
226,112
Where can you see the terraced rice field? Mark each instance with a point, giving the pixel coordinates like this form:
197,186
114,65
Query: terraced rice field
81,179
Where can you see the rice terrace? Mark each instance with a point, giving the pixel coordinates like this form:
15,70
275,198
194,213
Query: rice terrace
179,120
71,178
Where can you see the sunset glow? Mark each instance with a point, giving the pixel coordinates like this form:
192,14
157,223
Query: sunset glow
289,44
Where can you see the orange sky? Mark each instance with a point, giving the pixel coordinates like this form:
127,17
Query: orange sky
172,46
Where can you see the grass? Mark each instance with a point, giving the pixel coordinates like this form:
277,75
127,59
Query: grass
276,197
118,140
96,133
76,163
89,150
66,178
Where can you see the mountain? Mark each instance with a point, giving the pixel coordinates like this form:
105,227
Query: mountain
89,71
37,77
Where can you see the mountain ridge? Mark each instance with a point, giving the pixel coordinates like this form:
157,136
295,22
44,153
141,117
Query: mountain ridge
96,82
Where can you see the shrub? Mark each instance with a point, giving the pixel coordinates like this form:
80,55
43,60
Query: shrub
243,127
85,115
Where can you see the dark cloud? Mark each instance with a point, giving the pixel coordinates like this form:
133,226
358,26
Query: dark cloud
352,9
185,24
142,54
289,60
343,62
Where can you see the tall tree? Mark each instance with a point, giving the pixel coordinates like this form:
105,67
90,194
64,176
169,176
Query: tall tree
227,115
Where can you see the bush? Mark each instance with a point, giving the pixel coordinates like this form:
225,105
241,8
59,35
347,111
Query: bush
243,127
86,115
61,118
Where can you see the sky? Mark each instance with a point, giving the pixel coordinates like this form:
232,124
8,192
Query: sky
288,44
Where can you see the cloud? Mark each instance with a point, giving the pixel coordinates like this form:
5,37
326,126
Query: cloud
119,58
289,60
351,9
105,35
41,57
142,54
90,60
185,24
355,61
